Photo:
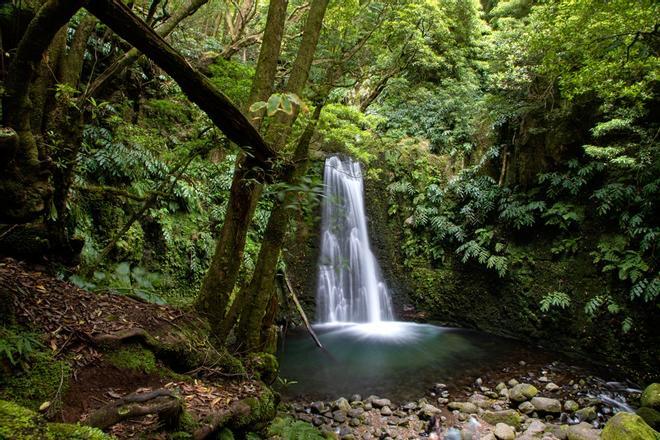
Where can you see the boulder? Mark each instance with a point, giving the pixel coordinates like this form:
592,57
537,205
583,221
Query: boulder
509,416
588,414
341,404
650,416
504,432
651,396
583,431
547,405
464,407
522,392
628,426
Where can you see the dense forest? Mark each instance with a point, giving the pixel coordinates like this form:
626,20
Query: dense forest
186,188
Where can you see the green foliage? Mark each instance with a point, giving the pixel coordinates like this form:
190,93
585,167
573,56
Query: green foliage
18,347
555,299
290,429
233,78
134,358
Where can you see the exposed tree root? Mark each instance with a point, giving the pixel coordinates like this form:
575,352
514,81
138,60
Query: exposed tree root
161,402
121,336
238,409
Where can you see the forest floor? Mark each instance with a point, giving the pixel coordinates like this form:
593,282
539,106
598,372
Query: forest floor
115,346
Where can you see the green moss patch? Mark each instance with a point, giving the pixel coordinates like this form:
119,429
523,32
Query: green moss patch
290,429
133,357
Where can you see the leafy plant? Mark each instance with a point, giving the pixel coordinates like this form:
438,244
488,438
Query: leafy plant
555,299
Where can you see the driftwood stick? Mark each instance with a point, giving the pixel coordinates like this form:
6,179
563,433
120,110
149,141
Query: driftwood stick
160,402
293,296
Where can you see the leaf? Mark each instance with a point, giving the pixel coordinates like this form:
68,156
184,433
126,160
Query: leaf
258,106
273,104
44,406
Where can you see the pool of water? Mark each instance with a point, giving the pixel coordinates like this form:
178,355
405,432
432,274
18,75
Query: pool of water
397,360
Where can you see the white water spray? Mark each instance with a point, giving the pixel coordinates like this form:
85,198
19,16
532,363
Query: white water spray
350,287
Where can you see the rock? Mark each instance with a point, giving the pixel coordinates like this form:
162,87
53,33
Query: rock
356,398
650,416
504,432
571,406
380,403
442,401
526,408
317,421
504,392
427,411
318,407
479,382
355,412
628,426
522,392
651,396
546,404
480,400
410,406
464,407
354,422
513,382
552,387
339,416
500,386
509,416
341,404
587,414
385,411
535,428
544,379
368,406
583,431
489,436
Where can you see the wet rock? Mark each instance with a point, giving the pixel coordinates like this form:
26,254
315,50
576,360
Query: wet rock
526,408
522,392
368,406
559,431
587,414
504,432
504,392
481,401
341,404
628,426
427,411
500,386
318,407
650,416
513,382
380,403
354,422
385,411
535,428
571,406
410,406
547,405
355,412
552,387
339,416
583,431
464,407
651,396
345,431
509,416
317,421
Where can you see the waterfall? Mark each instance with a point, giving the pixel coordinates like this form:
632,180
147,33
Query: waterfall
350,286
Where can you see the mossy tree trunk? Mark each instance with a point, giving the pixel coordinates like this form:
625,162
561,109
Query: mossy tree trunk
244,194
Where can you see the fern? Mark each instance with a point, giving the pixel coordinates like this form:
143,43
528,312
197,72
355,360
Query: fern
555,299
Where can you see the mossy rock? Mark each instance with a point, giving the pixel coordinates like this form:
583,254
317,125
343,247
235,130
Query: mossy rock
262,410
20,423
651,396
650,416
39,383
509,416
133,357
266,365
627,426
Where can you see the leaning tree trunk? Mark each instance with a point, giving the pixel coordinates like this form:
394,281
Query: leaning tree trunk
244,194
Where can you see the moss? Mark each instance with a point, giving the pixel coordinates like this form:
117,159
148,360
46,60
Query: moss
225,434
627,426
133,357
39,383
19,423
290,429
262,411
509,416
650,416
65,431
266,366
651,396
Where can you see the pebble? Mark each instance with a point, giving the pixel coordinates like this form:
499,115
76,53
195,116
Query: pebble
552,387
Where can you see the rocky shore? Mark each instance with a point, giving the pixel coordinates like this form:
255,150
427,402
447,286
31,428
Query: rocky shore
551,403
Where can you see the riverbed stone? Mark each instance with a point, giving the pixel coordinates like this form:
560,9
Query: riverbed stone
583,431
356,398
628,426
571,406
380,403
427,411
552,387
522,392
558,431
588,414
546,404
318,407
355,412
504,432
341,404
650,416
385,411
464,407
513,382
509,416
651,396
526,408
339,416
504,393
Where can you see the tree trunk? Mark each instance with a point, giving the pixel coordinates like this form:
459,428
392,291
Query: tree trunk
221,277
24,186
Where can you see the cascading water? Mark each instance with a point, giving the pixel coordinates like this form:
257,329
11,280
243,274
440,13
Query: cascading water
350,287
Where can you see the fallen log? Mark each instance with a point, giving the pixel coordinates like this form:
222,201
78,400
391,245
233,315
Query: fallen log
293,296
160,402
